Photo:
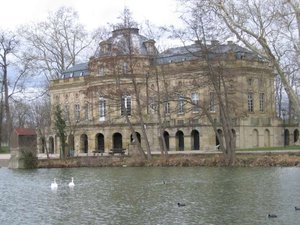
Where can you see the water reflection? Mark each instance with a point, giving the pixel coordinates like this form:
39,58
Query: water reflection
150,196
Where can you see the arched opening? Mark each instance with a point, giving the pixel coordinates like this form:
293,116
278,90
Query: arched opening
167,140
100,142
138,135
117,141
42,143
179,140
51,145
195,140
267,138
71,145
84,143
220,132
296,135
255,139
286,137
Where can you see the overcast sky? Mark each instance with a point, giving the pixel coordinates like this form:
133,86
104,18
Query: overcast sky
92,13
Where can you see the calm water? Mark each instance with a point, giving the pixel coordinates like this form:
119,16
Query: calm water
139,196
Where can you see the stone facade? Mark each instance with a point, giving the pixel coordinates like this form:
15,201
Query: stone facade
96,97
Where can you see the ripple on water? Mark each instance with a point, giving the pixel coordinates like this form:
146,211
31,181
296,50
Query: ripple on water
139,196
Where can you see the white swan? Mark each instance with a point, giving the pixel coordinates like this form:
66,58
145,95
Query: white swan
71,184
54,184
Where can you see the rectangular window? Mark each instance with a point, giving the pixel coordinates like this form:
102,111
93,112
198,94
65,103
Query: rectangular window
180,104
77,112
195,102
102,109
250,102
66,113
212,106
101,71
167,107
86,111
125,68
126,105
261,102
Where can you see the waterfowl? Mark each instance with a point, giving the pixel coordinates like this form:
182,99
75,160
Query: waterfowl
54,184
71,184
180,204
297,208
272,216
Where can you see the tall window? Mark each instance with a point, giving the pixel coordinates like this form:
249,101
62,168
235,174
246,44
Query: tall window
86,111
250,102
101,71
125,67
66,113
102,109
126,105
180,104
167,107
261,102
212,106
195,101
77,112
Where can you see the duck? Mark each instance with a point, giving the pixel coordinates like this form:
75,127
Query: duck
180,204
297,208
54,184
71,184
272,216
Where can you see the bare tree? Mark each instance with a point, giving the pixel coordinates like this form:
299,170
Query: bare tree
8,48
41,120
268,28
57,43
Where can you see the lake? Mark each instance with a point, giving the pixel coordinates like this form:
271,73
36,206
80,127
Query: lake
213,196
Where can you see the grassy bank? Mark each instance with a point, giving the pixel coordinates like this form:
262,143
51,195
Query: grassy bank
242,160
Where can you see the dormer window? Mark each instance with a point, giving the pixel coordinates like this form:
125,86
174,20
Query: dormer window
101,71
125,68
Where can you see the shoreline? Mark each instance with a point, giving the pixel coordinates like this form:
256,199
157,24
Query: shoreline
278,158
243,159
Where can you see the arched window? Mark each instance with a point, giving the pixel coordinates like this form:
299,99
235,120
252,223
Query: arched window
255,138
167,140
84,143
286,137
117,141
296,135
100,143
267,138
179,140
138,135
195,140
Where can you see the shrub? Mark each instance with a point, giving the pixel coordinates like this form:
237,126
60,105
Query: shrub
30,160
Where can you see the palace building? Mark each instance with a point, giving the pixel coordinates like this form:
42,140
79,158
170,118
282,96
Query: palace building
128,83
